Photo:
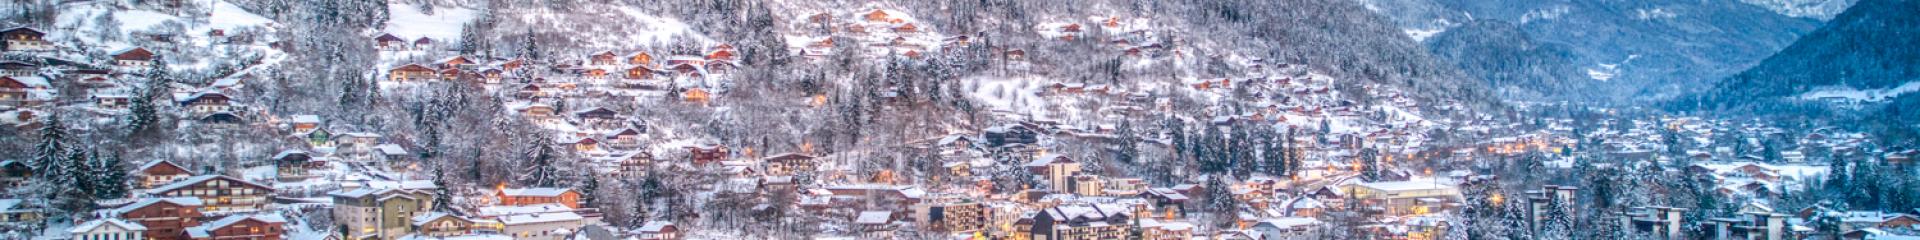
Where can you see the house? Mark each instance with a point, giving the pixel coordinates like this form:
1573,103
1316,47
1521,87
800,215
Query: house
603,58
1285,228
440,224
221,194
15,211
542,226
703,154
291,165
244,226
531,196
1011,134
159,172
636,164
133,57
640,72
638,58
18,68
14,173
597,116
1403,197
875,224
305,123
411,72
389,42
657,230
422,43
207,102
789,163
25,39
374,213
107,229
624,138
877,15
1077,221
163,218
18,91
584,145
454,62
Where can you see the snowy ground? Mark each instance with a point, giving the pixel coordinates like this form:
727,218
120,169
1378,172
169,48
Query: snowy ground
1862,95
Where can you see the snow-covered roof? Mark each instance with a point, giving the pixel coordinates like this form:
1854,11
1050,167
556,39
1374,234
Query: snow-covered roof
305,118
391,149
203,230
654,226
182,201
1287,222
1396,186
89,226
526,209
539,218
874,217
197,179
538,192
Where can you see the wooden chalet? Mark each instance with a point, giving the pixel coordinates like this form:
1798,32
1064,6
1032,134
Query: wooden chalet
411,72
133,57
389,42
25,39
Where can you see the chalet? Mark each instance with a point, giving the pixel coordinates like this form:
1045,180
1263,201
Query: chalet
636,164
875,224
492,75
703,154
159,172
164,218
686,69
697,95
133,57
388,42
454,62
583,145
243,226
107,228
638,58
512,64
537,111
25,39
720,54
533,196
1011,134
877,15
594,73
530,91
411,72
292,165
18,68
13,212
624,138
449,74
304,123
1079,221
789,164
597,116
603,58
640,72
906,28
657,230
422,43
14,173
207,102
18,91
439,224
222,194
1016,54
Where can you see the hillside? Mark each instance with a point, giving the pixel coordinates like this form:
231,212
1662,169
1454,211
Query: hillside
1639,49
1869,50
1514,64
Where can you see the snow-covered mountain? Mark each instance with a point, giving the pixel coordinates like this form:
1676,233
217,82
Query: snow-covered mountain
1635,49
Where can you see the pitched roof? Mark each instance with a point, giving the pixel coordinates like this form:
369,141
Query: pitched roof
204,230
202,178
537,192
97,223
182,201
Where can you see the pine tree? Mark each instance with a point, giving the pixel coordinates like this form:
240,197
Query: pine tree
141,113
542,172
110,179
1369,165
588,191
442,194
638,215
51,151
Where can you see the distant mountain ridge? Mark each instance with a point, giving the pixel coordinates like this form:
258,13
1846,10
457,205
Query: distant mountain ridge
1874,45
1641,49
